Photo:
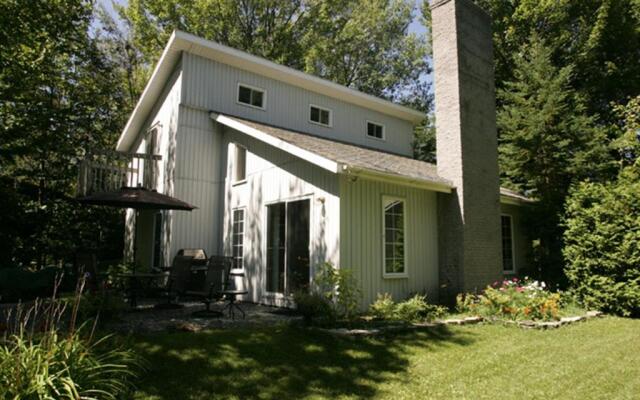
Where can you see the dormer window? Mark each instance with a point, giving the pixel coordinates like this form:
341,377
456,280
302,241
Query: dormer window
319,115
251,96
375,131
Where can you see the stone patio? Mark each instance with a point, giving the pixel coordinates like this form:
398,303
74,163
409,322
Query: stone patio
145,318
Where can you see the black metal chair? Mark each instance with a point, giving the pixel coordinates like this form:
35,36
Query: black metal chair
177,284
232,291
218,268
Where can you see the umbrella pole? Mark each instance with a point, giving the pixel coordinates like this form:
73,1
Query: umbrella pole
135,239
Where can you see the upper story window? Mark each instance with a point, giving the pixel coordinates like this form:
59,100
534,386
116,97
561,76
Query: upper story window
508,264
251,96
239,163
394,239
319,115
375,130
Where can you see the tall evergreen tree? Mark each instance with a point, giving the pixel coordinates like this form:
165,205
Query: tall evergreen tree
547,142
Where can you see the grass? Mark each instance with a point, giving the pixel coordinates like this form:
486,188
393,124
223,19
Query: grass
591,360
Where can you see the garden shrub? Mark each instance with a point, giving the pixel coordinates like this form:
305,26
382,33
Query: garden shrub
44,356
414,309
340,288
512,299
313,307
602,228
384,307
18,283
103,304
602,245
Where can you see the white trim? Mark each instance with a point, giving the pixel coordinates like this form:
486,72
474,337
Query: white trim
397,179
393,275
244,231
513,245
330,124
265,226
313,158
366,130
253,88
234,169
184,42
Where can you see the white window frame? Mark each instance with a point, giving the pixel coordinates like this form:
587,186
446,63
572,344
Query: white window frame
265,228
386,199
244,225
513,246
234,164
366,130
330,124
254,88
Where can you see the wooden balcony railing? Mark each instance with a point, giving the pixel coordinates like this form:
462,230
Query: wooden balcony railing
109,171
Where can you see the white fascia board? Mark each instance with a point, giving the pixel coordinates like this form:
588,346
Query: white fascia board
306,155
397,179
506,199
152,90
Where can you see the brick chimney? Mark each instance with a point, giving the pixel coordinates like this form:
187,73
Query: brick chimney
467,147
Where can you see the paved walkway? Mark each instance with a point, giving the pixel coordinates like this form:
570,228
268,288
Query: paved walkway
145,318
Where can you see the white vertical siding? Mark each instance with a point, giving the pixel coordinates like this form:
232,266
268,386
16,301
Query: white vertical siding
275,176
361,233
210,85
197,180
164,116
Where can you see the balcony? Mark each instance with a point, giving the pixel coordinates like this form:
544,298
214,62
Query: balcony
107,171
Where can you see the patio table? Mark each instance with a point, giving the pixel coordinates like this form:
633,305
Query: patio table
137,281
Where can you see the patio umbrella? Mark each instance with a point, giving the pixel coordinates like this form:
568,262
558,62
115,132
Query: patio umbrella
138,198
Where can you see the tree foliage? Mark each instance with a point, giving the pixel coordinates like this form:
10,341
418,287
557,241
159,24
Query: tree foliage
363,44
602,233
600,38
58,96
547,142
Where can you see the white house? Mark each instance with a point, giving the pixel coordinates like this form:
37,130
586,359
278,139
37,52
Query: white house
289,170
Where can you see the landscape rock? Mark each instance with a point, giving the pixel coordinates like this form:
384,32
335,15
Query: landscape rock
594,314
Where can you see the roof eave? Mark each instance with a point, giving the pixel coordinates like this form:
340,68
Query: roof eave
433,185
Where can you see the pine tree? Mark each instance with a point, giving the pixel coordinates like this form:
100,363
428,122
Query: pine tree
547,142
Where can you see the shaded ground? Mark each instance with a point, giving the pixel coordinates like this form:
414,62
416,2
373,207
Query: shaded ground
146,319
595,359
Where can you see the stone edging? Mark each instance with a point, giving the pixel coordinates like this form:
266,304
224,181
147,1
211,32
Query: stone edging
344,332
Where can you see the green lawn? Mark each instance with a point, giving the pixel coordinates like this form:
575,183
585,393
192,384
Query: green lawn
591,360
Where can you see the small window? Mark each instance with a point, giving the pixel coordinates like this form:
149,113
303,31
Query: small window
375,131
251,96
237,238
239,163
394,245
507,244
319,115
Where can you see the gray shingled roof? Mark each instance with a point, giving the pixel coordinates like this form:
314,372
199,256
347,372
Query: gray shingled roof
354,156
363,158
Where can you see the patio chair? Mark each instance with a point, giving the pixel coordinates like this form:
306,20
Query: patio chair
218,268
232,290
177,283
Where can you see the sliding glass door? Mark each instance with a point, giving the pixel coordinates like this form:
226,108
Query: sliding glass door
288,247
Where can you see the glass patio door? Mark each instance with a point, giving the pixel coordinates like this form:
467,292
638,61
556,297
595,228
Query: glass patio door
288,247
